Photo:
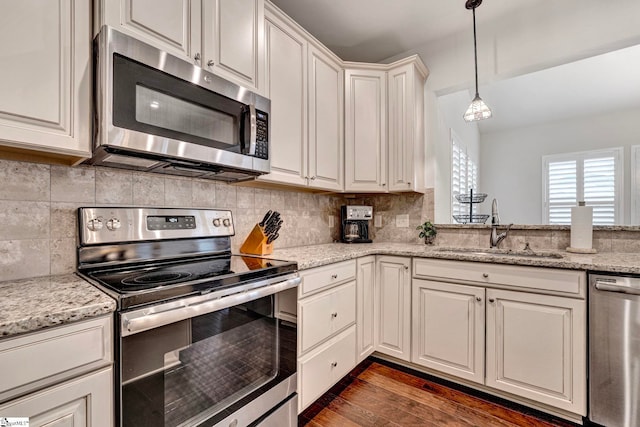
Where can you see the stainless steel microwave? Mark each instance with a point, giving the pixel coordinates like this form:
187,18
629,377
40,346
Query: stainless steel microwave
156,112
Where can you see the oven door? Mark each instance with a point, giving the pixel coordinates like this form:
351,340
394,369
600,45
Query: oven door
223,359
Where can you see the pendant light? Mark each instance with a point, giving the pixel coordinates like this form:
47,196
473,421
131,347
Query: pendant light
478,110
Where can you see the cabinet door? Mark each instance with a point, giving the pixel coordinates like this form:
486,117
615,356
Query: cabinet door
393,303
171,25
85,401
406,128
365,288
233,40
448,328
46,76
536,348
286,71
365,130
326,129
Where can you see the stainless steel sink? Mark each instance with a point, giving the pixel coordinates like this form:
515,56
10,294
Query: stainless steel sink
501,253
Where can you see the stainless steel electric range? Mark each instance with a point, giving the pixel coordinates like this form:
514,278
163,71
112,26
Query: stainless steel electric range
198,337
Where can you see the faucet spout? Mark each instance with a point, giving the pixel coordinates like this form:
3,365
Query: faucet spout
495,238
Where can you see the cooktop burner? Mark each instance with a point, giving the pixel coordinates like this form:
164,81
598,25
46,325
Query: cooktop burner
151,282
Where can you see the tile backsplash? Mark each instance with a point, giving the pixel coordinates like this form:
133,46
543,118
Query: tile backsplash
38,209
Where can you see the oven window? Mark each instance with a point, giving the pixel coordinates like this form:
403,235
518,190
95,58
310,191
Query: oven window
196,370
165,111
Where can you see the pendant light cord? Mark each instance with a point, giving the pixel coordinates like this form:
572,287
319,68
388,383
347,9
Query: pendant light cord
475,49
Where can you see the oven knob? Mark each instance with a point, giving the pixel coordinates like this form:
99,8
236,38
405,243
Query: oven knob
216,222
113,224
226,222
94,224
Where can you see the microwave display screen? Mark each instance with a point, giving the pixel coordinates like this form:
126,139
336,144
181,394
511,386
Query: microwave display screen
165,111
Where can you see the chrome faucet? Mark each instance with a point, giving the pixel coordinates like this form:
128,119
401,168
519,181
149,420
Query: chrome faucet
495,238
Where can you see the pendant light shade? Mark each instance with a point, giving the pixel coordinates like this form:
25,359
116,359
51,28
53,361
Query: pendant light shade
478,110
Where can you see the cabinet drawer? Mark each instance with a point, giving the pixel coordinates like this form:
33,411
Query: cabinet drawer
42,358
530,278
323,368
326,313
326,276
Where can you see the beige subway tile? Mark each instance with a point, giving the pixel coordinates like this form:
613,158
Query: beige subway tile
148,189
73,184
63,256
262,199
22,259
226,196
64,220
203,193
24,181
24,220
114,186
177,192
245,197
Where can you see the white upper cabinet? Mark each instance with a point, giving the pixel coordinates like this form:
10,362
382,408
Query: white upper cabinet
384,126
45,50
233,42
286,73
222,36
406,125
326,125
305,86
365,130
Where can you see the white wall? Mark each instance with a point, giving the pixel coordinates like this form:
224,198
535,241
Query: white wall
532,39
512,159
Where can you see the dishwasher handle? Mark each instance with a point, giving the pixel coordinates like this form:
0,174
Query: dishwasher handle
623,285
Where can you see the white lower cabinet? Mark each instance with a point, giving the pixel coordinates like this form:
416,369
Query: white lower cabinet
326,328
323,367
448,328
60,376
532,344
393,306
85,401
365,306
536,347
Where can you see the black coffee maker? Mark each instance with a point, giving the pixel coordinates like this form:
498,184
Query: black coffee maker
355,223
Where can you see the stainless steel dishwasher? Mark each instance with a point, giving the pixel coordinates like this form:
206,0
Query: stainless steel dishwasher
614,350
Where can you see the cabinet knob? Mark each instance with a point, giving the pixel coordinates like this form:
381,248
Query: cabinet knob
492,300
334,276
478,299
313,177
406,267
210,63
197,57
334,364
408,184
334,315
485,275
384,184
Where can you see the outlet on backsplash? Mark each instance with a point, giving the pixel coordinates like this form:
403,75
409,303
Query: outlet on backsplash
332,221
402,220
377,220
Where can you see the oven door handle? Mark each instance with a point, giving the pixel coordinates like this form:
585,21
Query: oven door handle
143,320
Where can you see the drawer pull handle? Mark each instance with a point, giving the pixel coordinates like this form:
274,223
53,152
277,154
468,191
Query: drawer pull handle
334,276
485,275
334,364
478,299
334,315
492,300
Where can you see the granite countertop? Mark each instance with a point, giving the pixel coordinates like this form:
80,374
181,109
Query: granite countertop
317,255
41,302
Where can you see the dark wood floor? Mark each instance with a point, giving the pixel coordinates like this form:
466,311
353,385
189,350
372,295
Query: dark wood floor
377,394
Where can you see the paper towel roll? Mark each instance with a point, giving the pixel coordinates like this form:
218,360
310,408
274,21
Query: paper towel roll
581,228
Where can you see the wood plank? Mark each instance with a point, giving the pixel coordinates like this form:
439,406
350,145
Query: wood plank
375,394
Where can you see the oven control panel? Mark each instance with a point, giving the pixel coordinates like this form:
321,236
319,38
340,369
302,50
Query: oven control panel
116,225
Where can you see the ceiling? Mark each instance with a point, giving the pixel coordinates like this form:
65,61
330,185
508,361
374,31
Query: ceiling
374,30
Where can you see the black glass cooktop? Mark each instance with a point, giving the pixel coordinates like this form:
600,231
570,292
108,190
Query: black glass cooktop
159,281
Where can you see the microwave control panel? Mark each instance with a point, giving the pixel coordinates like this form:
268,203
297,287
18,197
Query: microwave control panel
262,135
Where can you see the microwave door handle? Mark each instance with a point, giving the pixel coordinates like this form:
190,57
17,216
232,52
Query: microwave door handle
252,130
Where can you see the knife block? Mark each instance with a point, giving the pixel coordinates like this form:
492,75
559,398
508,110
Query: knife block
256,243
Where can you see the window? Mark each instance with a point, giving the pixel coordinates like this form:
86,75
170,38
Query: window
591,176
464,175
